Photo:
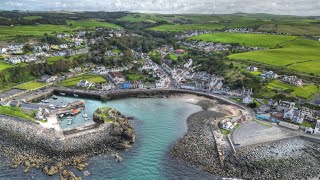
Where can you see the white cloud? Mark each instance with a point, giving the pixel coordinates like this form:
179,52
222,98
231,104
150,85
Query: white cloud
292,7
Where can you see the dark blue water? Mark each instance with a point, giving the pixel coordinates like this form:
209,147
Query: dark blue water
159,124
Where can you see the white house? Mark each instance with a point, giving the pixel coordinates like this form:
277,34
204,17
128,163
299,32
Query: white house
63,46
295,115
285,106
84,83
116,77
3,50
317,127
247,100
252,69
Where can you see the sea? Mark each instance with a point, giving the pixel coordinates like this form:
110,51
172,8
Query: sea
158,123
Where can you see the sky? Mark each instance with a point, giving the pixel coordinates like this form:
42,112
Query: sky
285,7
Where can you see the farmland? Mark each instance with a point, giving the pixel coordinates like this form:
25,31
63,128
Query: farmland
250,40
31,85
11,32
300,55
91,78
32,17
93,24
184,27
141,18
306,92
291,52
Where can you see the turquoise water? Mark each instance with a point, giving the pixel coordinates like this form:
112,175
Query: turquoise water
159,124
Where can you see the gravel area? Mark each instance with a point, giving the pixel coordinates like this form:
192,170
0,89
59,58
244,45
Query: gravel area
251,133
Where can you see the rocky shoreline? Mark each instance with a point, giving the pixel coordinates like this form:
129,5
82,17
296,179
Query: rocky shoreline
296,158
30,145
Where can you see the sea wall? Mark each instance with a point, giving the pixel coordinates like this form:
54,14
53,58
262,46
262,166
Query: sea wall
144,93
31,136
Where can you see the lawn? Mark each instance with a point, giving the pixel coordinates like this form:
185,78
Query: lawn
307,124
51,60
15,112
4,65
32,17
93,24
31,85
89,77
134,76
224,131
250,40
256,73
185,27
306,92
173,57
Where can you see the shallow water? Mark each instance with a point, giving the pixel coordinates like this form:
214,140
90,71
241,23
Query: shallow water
159,124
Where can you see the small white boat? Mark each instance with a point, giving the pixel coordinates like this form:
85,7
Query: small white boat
85,115
54,97
61,115
64,105
75,95
87,119
63,94
44,101
51,106
70,121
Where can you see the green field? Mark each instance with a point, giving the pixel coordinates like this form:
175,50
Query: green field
250,40
15,112
31,85
11,32
134,76
91,78
32,17
184,27
141,18
93,24
51,60
4,65
301,55
173,57
306,92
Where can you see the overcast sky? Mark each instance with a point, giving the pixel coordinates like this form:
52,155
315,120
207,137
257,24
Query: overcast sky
290,7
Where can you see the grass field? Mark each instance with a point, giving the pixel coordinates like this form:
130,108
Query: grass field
91,78
141,18
31,85
32,17
173,57
301,55
251,40
184,27
4,65
11,32
51,60
306,92
93,24
134,77
15,112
